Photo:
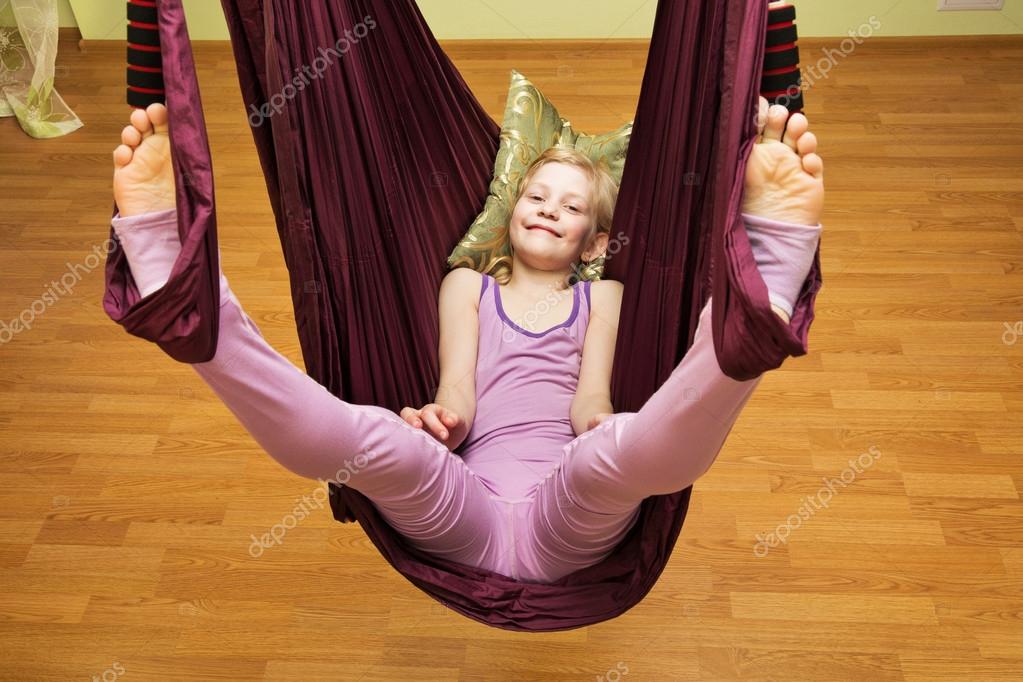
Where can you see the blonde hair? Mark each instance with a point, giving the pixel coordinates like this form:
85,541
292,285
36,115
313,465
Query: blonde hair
603,196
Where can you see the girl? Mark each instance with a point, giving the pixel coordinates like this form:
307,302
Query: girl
519,465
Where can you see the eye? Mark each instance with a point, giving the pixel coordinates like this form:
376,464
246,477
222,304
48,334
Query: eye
574,208
535,197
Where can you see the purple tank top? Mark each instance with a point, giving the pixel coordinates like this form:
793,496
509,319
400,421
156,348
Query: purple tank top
525,383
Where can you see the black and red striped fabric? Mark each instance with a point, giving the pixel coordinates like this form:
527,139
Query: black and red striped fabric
781,82
145,67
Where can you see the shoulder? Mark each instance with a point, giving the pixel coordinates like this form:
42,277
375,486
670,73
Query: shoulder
606,298
462,284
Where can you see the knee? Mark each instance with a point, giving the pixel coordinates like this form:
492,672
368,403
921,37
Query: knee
597,471
387,454
625,463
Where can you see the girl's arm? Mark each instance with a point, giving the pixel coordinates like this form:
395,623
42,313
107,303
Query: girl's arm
459,345
593,393
783,252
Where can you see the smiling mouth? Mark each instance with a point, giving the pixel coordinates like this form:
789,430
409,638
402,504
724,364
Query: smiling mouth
545,229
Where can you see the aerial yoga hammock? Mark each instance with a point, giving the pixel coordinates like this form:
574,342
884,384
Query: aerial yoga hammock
359,233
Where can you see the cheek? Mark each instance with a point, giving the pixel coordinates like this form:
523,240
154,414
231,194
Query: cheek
517,210
582,228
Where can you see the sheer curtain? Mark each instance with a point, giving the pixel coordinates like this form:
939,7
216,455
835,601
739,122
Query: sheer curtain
28,50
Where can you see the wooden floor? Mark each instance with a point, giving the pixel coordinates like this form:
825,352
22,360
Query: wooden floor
130,494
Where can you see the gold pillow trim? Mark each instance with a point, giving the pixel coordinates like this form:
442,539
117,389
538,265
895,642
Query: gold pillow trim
531,125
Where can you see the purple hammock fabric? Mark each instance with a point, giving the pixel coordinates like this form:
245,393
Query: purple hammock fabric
375,169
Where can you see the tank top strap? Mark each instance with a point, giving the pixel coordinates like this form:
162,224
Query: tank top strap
483,286
583,318
491,312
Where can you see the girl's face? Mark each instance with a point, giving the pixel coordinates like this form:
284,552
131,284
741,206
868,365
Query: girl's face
552,222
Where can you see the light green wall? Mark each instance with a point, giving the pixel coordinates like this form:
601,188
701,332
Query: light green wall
523,19
635,18
106,19
65,16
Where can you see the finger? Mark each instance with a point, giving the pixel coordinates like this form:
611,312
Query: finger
444,415
411,415
451,418
432,422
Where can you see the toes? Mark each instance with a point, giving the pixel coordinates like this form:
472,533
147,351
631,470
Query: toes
131,136
762,107
122,156
813,165
140,120
806,144
157,113
777,114
794,129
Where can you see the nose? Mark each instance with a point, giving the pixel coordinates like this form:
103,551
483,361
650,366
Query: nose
548,212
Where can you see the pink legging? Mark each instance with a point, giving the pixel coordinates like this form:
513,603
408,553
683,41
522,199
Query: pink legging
579,510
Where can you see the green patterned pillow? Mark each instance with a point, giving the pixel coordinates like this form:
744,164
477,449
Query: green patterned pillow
531,125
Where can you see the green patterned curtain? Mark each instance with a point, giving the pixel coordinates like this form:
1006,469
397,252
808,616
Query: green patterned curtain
28,50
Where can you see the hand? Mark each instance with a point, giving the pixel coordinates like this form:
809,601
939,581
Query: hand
443,424
596,419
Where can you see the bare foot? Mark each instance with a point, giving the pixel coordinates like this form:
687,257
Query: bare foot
784,175
143,174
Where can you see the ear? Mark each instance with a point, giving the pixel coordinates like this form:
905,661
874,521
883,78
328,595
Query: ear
597,247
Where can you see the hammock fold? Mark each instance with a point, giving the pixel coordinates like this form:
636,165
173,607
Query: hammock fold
374,170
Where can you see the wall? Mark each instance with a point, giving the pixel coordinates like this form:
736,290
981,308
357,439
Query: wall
65,16
538,19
